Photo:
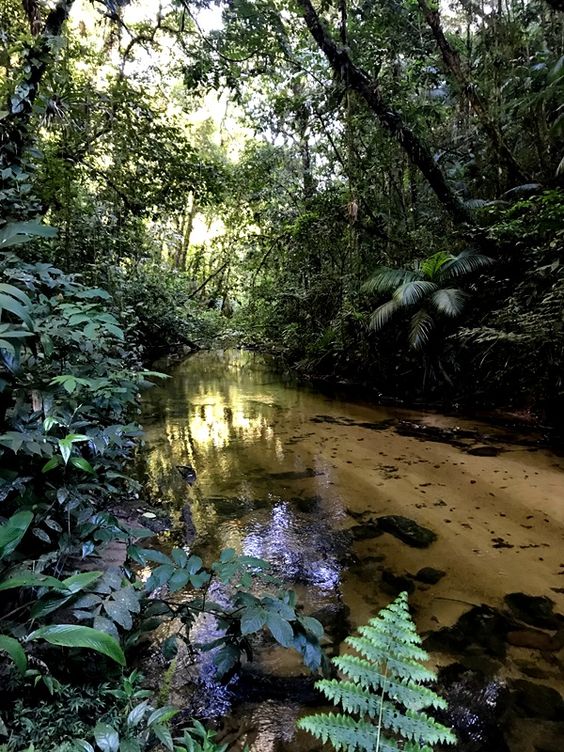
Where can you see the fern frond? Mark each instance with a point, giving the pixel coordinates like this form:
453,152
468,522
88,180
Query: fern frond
352,697
413,292
383,691
380,637
395,621
449,301
466,262
398,665
347,733
417,726
369,676
383,314
432,265
420,327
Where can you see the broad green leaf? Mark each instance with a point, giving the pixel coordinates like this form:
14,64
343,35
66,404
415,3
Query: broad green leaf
82,464
119,613
162,715
107,738
164,736
136,715
15,651
30,579
129,745
78,582
252,620
14,307
51,464
81,745
12,531
281,630
313,626
199,580
151,554
73,636
65,448
180,556
178,580
49,603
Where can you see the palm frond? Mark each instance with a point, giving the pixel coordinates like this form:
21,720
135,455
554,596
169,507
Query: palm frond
386,278
449,301
413,292
430,267
421,326
383,314
466,262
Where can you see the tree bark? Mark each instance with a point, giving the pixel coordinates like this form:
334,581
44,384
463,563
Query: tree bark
14,127
358,80
452,60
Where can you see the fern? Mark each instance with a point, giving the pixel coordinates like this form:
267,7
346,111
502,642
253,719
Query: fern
383,696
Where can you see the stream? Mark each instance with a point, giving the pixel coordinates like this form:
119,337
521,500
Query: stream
299,477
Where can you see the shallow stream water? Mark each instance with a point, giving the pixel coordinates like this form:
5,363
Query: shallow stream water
283,471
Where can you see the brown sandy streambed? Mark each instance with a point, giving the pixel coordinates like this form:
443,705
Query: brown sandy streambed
283,470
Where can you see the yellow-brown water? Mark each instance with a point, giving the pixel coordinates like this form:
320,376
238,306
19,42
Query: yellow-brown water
282,468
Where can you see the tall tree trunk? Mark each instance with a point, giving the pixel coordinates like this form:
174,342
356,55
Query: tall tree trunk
358,80
186,230
14,127
452,60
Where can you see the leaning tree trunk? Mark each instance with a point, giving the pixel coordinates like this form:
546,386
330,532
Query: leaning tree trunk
358,80
452,60
14,128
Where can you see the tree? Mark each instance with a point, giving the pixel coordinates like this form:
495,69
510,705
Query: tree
367,87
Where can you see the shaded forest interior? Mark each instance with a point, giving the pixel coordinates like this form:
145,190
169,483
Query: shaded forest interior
372,192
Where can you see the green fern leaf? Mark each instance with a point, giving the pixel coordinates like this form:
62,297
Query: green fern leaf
347,733
383,695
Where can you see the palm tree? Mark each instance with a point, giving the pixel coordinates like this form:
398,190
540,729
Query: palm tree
428,287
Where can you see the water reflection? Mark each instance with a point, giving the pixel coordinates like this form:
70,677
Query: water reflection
298,551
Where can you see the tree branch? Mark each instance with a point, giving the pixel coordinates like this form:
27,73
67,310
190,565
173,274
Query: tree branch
358,80
14,127
452,61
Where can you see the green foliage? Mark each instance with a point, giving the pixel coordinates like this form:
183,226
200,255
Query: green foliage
163,313
424,288
383,698
245,615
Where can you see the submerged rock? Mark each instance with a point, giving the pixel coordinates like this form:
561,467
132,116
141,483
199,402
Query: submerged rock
484,451
396,583
407,530
476,710
536,610
255,686
189,527
335,618
429,575
188,473
434,433
365,531
482,627
532,700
